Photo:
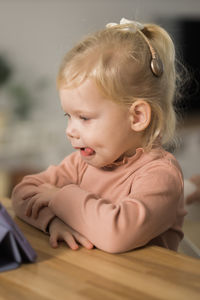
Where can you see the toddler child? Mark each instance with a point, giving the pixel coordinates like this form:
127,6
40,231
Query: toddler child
120,189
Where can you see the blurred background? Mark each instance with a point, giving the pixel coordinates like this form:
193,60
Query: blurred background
34,36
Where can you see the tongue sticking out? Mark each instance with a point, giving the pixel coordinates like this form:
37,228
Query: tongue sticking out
87,151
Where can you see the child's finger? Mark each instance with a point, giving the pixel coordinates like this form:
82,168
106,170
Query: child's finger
35,209
29,195
28,211
37,206
83,241
71,242
53,240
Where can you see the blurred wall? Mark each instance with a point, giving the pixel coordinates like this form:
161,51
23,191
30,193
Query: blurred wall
35,34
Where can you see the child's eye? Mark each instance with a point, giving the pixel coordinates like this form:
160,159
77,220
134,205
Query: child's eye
84,118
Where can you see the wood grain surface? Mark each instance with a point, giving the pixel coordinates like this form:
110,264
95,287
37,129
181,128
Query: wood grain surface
146,273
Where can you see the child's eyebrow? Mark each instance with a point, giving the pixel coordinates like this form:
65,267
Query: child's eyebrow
79,112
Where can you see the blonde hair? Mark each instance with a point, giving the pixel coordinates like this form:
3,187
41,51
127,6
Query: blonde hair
118,60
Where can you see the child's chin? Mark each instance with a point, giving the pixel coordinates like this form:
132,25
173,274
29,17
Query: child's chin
94,163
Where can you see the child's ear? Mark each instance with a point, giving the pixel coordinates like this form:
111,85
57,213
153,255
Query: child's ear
140,115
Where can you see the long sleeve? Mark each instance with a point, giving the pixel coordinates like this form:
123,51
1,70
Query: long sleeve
67,172
150,209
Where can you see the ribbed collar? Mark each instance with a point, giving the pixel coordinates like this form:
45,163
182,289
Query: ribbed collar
126,159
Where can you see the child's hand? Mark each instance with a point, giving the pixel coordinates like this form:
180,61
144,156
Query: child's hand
45,193
59,231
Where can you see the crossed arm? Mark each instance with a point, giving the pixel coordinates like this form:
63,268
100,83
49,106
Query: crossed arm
31,198
79,216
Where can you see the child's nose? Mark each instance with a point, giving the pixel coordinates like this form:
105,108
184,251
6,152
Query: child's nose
72,131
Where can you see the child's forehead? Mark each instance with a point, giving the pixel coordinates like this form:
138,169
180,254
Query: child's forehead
82,98
86,91
87,97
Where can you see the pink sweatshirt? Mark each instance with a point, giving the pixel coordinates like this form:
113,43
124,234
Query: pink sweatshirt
126,205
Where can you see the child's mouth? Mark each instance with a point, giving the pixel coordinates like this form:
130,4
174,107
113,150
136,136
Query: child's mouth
87,151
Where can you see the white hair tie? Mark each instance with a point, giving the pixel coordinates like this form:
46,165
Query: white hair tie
123,21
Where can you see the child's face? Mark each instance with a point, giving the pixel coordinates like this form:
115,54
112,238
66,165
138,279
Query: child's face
99,128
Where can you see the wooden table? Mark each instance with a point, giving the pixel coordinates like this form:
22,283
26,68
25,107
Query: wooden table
148,273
